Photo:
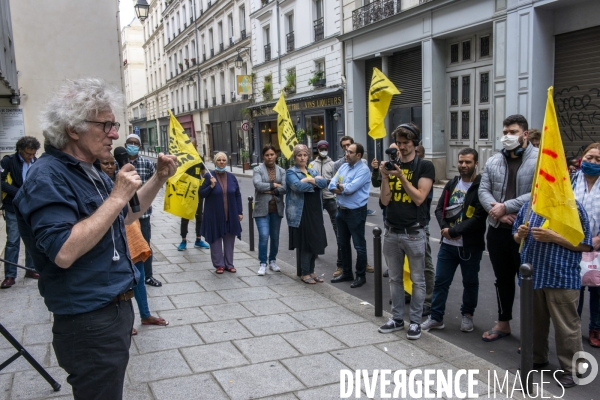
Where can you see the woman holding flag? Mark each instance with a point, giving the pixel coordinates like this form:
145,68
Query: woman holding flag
222,214
586,187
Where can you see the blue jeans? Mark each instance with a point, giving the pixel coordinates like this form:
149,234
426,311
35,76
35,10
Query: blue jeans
449,258
140,293
146,233
307,263
268,227
13,246
594,306
351,225
395,247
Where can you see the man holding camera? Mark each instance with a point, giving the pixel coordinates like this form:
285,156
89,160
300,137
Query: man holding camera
405,185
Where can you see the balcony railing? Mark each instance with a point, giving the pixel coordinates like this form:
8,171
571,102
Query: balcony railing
189,107
205,103
214,101
177,109
208,4
243,32
191,19
195,104
268,52
380,9
231,41
172,111
319,29
212,52
222,99
203,56
232,97
290,41
221,47
244,97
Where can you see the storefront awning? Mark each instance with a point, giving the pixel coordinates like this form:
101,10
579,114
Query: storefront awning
298,97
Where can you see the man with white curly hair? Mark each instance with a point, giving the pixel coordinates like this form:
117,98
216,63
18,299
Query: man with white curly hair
72,218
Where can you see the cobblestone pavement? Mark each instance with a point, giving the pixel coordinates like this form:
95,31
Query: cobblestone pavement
231,336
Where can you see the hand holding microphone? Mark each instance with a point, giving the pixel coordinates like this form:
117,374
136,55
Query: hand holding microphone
127,181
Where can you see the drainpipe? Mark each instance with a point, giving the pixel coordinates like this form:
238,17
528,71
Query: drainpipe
278,48
343,73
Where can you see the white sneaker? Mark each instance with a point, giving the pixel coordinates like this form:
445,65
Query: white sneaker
262,270
431,324
467,323
274,267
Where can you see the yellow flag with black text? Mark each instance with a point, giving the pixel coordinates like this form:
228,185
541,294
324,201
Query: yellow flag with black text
380,96
286,133
181,194
552,196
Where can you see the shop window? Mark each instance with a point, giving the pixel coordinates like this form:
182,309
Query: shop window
466,50
454,125
484,124
454,91
454,53
484,46
484,88
466,90
465,125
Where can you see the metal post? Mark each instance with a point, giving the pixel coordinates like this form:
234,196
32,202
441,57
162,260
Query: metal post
298,264
230,165
526,325
378,271
251,221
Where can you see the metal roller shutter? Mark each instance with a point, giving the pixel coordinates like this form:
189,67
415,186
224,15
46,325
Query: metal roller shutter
406,73
577,88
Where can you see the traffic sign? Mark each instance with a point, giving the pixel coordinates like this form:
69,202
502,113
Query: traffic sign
245,126
136,130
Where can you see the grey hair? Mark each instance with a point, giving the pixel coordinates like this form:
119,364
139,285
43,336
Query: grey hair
76,101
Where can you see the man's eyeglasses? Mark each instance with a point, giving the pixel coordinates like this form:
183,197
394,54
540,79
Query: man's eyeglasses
108,125
107,163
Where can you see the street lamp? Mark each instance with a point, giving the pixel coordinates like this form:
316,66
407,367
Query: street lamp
141,10
239,62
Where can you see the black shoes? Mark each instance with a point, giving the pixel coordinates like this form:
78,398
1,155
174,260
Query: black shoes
342,278
358,282
153,282
567,381
538,366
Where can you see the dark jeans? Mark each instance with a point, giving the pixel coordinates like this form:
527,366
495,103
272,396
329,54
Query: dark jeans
185,222
141,296
504,255
594,306
93,348
330,206
449,258
13,246
146,233
351,225
307,262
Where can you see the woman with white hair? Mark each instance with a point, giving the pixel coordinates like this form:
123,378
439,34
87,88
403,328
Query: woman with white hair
304,213
223,213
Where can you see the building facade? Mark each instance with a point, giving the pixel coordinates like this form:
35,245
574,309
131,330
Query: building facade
134,73
84,47
464,65
295,49
9,86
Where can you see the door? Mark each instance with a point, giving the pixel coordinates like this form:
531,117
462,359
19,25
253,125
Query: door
468,120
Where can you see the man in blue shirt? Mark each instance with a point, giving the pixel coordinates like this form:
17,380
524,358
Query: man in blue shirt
556,284
72,219
351,185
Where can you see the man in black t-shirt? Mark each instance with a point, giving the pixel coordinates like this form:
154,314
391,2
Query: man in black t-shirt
404,191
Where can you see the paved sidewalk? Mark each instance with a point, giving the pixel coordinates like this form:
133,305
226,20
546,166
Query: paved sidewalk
231,336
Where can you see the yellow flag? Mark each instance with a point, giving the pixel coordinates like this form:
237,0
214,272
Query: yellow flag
181,194
552,195
285,128
380,96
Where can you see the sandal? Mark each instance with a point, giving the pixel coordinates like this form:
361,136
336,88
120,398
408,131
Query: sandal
220,270
133,331
317,278
156,321
309,279
232,270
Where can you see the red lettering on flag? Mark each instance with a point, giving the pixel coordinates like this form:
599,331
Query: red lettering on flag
547,176
550,153
545,128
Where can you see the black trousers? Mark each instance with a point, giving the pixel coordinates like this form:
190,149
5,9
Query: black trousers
505,258
185,222
93,348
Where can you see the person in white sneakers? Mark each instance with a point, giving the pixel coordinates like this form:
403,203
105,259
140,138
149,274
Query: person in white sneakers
269,185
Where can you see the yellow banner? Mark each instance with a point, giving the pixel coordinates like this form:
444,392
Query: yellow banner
285,128
181,194
380,96
552,195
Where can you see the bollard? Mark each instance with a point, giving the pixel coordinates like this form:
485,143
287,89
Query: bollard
378,271
251,221
526,325
230,165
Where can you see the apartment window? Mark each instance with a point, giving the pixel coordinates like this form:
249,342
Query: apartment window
318,25
243,22
220,33
210,42
230,28
290,41
213,90
222,86
232,83
184,16
267,41
193,44
178,19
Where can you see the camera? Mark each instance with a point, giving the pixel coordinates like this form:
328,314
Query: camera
393,154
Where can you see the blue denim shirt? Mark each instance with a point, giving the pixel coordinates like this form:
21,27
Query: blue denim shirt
357,182
294,199
57,194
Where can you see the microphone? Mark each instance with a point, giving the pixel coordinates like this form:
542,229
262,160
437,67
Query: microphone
122,159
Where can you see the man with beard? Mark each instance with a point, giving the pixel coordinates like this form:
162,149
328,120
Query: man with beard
505,187
462,220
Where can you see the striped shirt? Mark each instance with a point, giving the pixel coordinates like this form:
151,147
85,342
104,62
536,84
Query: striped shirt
145,169
553,265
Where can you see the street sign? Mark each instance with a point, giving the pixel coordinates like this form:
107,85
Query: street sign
245,127
136,130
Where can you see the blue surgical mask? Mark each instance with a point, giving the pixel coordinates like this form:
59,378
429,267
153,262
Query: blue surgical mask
221,169
590,169
132,150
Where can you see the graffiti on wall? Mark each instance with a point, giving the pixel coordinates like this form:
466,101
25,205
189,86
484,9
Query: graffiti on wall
578,113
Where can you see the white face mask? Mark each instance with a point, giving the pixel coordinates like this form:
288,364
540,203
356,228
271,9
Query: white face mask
510,142
323,153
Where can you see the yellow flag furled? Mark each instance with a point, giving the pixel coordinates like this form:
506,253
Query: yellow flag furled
552,196
181,195
380,96
285,128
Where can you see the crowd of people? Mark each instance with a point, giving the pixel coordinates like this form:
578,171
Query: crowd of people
71,209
